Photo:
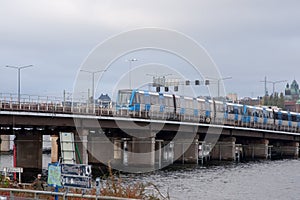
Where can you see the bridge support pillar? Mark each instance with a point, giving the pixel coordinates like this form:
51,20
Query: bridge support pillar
5,143
288,150
81,145
54,148
158,153
29,152
186,152
141,152
257,149
100,149
224,150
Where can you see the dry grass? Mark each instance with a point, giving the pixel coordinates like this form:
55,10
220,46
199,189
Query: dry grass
113,186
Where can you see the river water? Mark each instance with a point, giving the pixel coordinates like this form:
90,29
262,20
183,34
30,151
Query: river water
266,180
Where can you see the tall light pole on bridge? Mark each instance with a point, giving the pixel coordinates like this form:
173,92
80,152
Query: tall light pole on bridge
273,82
93,84
19,79
130,65
219,81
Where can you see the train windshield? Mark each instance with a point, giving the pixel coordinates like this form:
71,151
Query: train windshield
124,97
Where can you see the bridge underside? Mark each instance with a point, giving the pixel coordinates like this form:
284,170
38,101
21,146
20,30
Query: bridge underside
123,141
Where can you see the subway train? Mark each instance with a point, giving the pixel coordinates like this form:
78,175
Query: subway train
158,105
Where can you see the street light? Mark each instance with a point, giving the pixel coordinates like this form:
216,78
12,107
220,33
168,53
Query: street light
19,79
219,80
275,82
93,83
130,63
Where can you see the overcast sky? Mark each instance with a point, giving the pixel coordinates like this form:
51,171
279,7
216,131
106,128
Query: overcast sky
247,39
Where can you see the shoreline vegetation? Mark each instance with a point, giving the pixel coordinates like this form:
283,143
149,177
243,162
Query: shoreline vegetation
112,186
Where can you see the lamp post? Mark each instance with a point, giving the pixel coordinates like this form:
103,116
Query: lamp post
130,63
275,82
93,84
19,79
219,80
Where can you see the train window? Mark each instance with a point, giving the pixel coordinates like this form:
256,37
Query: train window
284,116
161,99
235,110
136,98
154,99
188,103
147,98
177,102
141,98
294,117
124,97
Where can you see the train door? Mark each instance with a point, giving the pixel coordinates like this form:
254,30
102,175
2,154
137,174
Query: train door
289,118
298,121
147,101
161,102
225,111
236,112
195,106
207,111
182,105
279,118
265,116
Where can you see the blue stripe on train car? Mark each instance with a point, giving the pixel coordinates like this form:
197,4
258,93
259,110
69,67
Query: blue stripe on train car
207,113
279,118
255,119
289,119
182,111
298,120
132,97
136,107
226,115
265,116
161,108
147,97
265,120
147,107
196,112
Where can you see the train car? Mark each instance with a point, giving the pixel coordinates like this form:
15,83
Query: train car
203,110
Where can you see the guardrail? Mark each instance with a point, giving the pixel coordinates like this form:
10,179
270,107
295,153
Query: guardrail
12,193
31,103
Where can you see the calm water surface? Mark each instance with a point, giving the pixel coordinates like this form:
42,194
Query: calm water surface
266,180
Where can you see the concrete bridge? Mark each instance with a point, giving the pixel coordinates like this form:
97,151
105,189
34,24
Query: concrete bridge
105,133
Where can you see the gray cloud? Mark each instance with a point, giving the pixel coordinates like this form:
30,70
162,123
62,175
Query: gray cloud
247,39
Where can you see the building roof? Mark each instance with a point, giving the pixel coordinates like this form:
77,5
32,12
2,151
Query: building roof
104,97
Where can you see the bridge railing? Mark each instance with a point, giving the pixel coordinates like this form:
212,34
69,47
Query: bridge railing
52,104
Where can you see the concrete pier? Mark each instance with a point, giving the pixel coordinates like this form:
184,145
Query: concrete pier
287,150
141,152
5,143
224,150
101,150
186,152
257,149
29,152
